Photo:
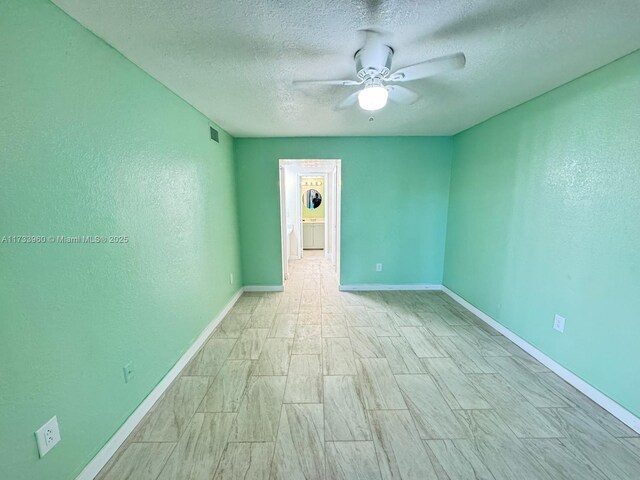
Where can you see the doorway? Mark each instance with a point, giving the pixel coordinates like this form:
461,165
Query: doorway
310,214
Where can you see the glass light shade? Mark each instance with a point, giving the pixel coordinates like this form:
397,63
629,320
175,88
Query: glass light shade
373,98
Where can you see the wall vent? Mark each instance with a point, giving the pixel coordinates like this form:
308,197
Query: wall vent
214,134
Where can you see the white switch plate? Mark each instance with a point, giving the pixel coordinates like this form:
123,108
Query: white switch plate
231,279
558,323
48,436
378,267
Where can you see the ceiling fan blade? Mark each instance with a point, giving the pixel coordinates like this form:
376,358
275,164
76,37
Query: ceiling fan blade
429,68
402,95
345,83
349,101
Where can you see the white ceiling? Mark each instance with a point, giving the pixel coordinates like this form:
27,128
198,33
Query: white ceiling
234,59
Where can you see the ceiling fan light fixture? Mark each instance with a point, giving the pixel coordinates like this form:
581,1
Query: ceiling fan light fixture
373,98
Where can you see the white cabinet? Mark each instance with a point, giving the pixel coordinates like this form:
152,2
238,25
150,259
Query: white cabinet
312,236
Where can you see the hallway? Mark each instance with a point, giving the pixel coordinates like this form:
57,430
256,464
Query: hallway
310,275
314,383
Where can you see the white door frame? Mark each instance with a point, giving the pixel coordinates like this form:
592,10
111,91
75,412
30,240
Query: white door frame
328,247
337,209
328,201
299,215
331,170
283,227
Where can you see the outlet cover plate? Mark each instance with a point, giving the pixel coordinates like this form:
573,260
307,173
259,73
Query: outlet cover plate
558,323
378,267
48,436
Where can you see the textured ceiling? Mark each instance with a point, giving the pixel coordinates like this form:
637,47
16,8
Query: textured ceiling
234,59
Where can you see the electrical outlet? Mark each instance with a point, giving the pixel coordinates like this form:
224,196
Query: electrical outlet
231,279
558,323
378,267
129,372
47,436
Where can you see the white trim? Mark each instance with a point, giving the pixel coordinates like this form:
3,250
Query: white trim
315,165
326,245
298,218
263,288
356,287
337,226
329,168
109,449
614,408
284,231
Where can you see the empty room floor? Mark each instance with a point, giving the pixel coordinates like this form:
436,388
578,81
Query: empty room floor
314,383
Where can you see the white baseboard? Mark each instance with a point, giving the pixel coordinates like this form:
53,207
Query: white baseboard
102,457
615,409
263,288
361,287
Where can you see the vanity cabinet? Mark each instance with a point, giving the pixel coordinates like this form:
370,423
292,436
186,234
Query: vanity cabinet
312,236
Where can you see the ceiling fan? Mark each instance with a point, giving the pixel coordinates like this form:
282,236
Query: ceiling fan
373,68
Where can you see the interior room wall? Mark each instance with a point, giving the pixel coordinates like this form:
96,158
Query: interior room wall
394,205
543,220
91,145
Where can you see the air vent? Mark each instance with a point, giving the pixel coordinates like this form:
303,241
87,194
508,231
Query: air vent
214,134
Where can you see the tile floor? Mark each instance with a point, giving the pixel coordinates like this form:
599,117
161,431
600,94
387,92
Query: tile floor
314,383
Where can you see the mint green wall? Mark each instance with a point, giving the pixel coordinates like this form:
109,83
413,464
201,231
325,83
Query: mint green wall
544,219
394,205
91,145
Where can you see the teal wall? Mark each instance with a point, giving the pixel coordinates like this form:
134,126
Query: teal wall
544,219
91,145
394,205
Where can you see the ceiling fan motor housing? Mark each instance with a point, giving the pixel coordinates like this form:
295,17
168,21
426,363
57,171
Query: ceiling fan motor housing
373,61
